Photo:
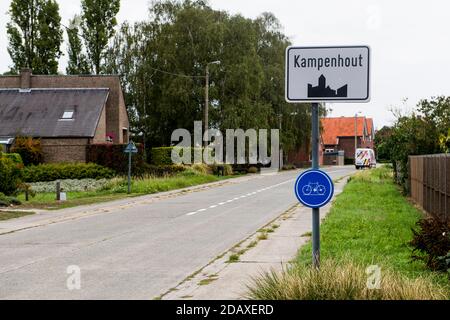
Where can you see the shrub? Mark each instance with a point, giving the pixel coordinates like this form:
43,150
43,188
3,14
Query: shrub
113,157
163,155
15,157
340,281
227,169
252,170
161,171
431,242
61,171
202,168
10,175
69,185
29,149
6,201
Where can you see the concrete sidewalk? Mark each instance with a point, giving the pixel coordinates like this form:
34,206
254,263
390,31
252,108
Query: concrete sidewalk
223,280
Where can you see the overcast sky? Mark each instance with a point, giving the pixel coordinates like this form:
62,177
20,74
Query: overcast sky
410,41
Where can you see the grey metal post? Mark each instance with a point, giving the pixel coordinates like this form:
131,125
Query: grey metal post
58,190
315,165
129,172
206,107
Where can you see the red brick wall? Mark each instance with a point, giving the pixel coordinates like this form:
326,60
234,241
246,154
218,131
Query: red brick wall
64,150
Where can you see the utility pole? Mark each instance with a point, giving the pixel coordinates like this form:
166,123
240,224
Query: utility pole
206,107
356,133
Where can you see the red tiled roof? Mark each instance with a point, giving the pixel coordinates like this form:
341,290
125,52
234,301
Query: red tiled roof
340,127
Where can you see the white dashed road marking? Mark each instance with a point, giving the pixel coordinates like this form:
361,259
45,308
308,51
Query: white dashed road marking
238,198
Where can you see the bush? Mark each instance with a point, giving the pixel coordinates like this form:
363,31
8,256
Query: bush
432,242
340,281
227,169
161,171
252,170
6,201
69,185
61,171
10,175
113,157
202,168
163,155
29,149
15,157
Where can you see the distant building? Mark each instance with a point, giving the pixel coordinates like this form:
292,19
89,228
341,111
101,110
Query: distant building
338,134
322,90
66,112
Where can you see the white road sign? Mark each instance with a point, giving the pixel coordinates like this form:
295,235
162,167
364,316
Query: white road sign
333,74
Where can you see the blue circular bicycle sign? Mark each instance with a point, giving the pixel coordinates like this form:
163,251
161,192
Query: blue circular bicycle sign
314,188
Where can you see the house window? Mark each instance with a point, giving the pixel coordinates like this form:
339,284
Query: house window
67,115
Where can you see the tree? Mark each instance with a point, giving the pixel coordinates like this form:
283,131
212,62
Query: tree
35,35
437,111
382,143
162,64
98,22
77,60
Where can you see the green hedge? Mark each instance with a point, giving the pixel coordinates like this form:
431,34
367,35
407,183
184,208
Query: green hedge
6,201
10,175
163,155
163,170
15,157
113,157
60,171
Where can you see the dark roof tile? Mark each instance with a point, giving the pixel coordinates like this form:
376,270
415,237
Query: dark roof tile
38,112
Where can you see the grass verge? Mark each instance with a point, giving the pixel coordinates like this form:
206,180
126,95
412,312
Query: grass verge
369,224
6,215
117,189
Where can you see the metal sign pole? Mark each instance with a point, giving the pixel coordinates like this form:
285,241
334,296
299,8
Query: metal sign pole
315,166
129,172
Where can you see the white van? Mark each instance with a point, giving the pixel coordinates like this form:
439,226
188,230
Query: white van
365,158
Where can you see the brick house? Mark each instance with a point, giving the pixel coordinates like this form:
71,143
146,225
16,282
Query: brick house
339,134
66,112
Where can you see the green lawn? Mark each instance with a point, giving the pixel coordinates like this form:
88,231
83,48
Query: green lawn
6,215
117,189
370,224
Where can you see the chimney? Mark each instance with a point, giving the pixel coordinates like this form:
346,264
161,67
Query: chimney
25,78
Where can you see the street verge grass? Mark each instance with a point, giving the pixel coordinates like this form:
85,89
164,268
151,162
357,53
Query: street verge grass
6,215
369,224
117,189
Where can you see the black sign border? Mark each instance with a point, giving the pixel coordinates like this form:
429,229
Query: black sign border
362,100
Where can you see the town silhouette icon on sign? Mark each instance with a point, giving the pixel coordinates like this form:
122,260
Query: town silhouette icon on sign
322,90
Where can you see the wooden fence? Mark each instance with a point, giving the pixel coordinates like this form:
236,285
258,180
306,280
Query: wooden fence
429,178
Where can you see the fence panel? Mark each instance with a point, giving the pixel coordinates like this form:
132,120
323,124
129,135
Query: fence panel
430,183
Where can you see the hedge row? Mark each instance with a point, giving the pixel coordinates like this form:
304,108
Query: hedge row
163,155
60,171
14,157
113,157
10,175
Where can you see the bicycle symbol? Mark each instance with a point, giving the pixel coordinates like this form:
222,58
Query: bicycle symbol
314,189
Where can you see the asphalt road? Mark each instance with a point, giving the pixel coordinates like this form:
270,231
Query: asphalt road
140,251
